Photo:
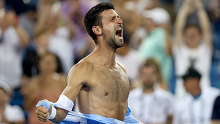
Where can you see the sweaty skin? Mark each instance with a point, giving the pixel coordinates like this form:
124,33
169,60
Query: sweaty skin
98,82
104,91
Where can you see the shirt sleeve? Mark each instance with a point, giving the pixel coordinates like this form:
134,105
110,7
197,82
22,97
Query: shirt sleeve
216,109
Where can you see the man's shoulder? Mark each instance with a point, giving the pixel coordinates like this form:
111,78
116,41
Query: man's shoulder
82,66
211,92
121,66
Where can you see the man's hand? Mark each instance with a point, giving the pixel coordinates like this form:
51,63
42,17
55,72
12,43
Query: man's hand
43,110
42,114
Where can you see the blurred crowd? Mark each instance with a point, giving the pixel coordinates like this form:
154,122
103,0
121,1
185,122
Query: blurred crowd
171,55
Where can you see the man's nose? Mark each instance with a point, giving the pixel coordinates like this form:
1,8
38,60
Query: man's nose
119,21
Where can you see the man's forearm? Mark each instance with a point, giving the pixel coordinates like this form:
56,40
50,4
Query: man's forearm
205,24
60,115
180,22
22,35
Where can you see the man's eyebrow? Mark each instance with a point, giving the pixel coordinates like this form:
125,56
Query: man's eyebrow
112,17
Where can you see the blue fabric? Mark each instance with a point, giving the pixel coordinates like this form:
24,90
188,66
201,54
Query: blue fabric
44,103
77,118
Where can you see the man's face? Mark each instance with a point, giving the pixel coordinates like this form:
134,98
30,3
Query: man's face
191,84
192,36
148,23
148,76
48,64
112,29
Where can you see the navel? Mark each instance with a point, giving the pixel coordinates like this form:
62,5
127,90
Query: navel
106,93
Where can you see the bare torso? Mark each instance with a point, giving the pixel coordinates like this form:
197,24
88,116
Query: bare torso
105,93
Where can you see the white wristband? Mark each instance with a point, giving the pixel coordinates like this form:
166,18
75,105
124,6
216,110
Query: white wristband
64,103
53,113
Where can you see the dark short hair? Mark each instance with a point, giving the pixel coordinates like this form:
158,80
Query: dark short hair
197,26
93,18
191,73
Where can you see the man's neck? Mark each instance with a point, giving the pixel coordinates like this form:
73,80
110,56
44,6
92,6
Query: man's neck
104,56
148,90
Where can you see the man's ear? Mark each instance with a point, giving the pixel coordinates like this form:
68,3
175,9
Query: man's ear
97,30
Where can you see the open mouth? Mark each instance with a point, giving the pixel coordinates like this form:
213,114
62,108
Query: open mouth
119,32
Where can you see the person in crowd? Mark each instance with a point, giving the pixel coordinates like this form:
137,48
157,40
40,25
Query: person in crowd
32,56
196,106
9,114
13,39
150,103
46,85
192,44
154,45
62,32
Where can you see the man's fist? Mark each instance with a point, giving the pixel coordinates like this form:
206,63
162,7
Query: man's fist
42,113
43,110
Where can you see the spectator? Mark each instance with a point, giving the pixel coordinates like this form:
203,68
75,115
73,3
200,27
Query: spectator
195,107
34,51
154,45
149,103
192,44
47,82
9,114
62,32
32,55
131,60
12,41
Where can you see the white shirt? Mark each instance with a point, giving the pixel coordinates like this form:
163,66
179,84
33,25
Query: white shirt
151,108
13,114
10,58
189,110
182,56
62,47
132,62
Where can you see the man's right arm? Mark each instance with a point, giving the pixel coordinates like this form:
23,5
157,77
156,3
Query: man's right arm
77,75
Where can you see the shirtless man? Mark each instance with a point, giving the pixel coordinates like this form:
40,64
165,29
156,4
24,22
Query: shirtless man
98,82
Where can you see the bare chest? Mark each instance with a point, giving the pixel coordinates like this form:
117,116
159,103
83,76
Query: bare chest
110,85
